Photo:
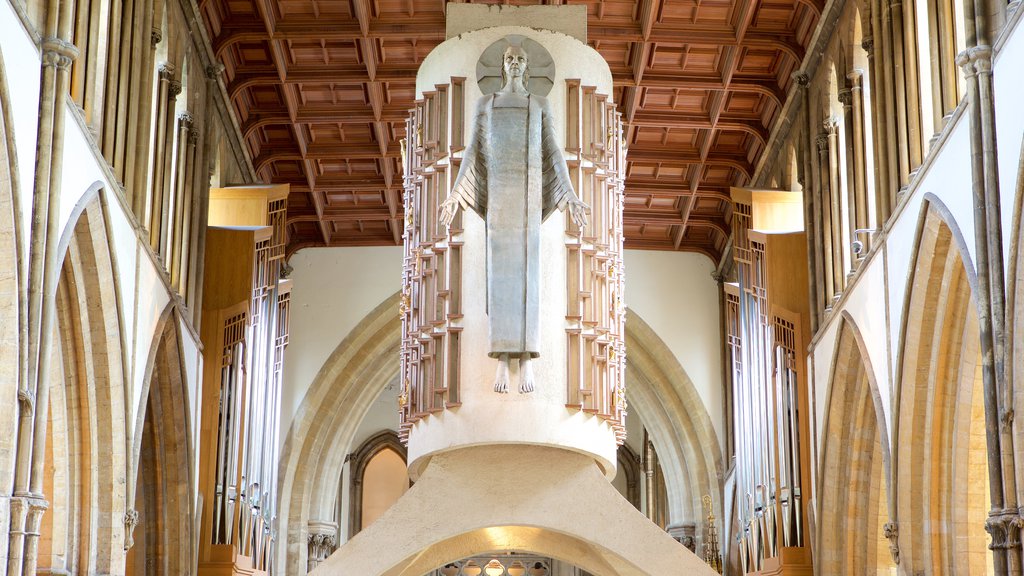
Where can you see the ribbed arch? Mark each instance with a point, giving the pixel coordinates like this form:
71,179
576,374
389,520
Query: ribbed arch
940,472
161,462
86,468
855,464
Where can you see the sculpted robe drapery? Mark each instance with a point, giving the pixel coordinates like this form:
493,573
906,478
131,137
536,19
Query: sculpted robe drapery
514,176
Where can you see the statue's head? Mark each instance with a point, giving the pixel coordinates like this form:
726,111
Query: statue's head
513,65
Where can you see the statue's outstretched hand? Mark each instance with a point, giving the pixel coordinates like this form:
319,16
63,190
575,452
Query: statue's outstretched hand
578,212
448,209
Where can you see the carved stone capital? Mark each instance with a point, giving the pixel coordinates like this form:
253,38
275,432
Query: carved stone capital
845,97
856,78
822,141
213,71
891,532
173,89
1004,528
868,44
58,53
131,519
193,136
321,540
155,36
830,126
165,71
186,119
801,78
27,399
976,60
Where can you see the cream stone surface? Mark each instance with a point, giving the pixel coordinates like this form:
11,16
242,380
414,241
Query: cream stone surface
541,416
656,283
463,18
482,500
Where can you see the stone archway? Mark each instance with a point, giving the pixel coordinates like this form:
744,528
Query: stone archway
940,463
663,395
163,498
86,448
855,465
325,426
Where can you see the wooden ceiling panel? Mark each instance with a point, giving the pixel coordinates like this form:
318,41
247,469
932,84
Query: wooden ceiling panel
699,82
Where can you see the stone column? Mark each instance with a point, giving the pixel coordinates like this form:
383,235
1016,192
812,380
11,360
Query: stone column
883,205
44,267
835,217
974,62
849,144
825,211
861,219
804,177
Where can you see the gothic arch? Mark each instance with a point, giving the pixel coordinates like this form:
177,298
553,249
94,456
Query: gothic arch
11,295
325,426
161,461
940,466
628,464
677,421
855,464
384,440
86,460
1015,307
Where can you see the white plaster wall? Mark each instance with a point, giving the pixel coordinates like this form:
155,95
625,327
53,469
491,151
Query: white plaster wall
674,293
333,290
18,49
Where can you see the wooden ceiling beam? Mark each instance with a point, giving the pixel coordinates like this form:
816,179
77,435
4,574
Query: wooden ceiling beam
427,27
663,188
345,74
326,115
652,79
666,119
675,157
673,218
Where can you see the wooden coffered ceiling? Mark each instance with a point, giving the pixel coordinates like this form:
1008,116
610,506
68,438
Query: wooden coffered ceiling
321,90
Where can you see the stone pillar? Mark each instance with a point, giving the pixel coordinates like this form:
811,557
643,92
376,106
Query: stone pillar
849,144
826,237
861,219
879,141
44,269
976,62
810,220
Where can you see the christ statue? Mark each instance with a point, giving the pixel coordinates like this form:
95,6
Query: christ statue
514,176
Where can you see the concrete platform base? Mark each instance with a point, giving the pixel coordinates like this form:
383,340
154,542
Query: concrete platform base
520,498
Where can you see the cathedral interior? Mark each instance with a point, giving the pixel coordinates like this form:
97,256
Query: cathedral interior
235,338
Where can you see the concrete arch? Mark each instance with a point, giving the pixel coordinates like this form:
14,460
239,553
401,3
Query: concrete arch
680,427
86,475
505,505
938,398
366,360
855,465
163,487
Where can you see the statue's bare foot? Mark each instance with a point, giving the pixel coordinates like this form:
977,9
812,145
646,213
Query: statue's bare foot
525,374
501,377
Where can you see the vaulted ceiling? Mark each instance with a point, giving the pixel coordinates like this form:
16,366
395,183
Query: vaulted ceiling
321,89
